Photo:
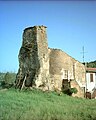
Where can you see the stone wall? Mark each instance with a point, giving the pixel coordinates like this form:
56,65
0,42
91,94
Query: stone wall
81,90
33,58
46,68
59,63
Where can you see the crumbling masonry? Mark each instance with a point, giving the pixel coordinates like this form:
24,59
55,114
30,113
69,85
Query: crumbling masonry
45,68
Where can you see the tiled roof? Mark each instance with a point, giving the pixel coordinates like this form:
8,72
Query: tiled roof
91,69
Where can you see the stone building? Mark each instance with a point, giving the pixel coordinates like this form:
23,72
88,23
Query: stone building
46,68
63,67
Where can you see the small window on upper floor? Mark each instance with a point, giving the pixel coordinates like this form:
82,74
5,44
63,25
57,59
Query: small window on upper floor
91,77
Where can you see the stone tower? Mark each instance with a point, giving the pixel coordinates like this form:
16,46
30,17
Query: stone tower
33,58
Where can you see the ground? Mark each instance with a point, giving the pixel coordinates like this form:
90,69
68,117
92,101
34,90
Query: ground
38,105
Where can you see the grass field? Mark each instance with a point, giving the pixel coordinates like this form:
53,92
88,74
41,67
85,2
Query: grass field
38,105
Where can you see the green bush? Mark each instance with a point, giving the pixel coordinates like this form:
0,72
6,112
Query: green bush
69,91
8,78
8,81
74,90
2,83
91,64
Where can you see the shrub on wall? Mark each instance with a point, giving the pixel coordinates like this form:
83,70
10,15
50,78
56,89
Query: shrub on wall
69,91
74,90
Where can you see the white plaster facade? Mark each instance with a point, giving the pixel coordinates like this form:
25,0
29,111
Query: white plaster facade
90,79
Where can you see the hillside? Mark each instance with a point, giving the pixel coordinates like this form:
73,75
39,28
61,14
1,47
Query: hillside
38,105
91,64
7,79
2,76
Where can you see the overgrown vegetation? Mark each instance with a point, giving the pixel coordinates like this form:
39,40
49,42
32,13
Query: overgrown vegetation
38,105
70,91
7,79
91,64
2,76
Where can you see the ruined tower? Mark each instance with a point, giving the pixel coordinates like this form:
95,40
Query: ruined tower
46,68
33,58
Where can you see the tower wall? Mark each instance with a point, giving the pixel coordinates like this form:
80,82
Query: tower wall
33,58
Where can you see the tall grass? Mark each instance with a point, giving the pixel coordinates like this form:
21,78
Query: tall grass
38,105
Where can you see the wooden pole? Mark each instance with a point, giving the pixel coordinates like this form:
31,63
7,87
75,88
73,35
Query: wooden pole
23,84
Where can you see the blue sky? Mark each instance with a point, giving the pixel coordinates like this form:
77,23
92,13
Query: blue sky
70,26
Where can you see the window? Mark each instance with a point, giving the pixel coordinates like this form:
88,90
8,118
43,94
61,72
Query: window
91,77
66,74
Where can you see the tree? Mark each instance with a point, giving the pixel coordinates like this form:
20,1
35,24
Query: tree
9,79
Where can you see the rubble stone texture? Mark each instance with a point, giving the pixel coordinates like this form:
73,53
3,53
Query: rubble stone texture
33,58
59,62
45,68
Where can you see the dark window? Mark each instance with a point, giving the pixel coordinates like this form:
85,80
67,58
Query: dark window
91,77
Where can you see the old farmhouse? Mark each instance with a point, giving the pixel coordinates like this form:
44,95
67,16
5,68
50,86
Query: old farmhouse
91,82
